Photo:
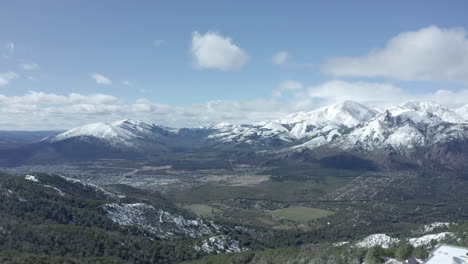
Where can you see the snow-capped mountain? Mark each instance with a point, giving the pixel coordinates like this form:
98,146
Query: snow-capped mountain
120,133
347,113
344,127
323,121
401,127
417,110
264,133
463,112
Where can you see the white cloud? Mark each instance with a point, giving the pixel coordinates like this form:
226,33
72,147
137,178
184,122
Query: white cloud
280,57
40,110
378,94
6,77
290,85
212,50
33,97
143,101
431,53
29,66
101,79
276,93
336,91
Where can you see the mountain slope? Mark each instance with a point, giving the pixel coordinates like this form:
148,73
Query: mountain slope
295,127
419,133
47,219
420,130
124,133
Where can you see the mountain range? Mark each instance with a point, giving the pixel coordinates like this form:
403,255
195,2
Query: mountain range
413,132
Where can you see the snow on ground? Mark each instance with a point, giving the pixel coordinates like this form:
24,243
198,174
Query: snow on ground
31,178
393,261
430,227
377,240
339,244
159,222
426,240
448,254
94,186
386,241
56,189
220,244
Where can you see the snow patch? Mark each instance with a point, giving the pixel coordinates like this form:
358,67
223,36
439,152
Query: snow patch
157,221
31,178
339,244
430,227
426,240
56,189
220,244
377,240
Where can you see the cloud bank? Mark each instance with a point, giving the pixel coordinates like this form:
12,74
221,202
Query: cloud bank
38,110
429,54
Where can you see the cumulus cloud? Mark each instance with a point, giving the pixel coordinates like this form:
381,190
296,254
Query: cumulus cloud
276,93
280,57
431,53
39,110
212,50
336,91
290,85
6,77
29,66
34,97
100,79
378,94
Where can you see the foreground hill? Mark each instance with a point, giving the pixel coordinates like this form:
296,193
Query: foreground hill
50,219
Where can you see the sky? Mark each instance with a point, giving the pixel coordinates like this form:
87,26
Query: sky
197,63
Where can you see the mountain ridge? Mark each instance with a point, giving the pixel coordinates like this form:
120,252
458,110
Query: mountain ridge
401,130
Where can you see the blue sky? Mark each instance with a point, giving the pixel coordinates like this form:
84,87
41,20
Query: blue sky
145,52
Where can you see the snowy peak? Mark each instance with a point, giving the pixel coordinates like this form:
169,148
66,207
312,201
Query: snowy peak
426,112
463,112
262,133
130,123
348,113
123,132
402,127
346,125
99,130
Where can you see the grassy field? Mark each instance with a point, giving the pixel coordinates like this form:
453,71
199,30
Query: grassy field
292,184
300,214
287,191
202,209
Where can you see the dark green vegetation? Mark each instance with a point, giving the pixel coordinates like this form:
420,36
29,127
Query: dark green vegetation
301,207
38,225
328,254
300,214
